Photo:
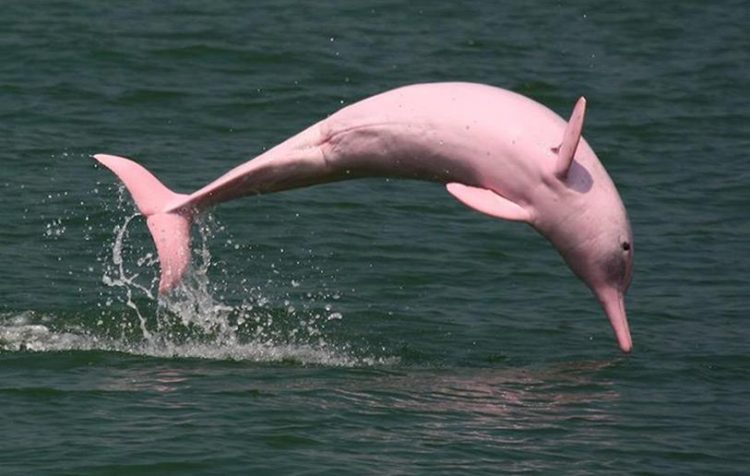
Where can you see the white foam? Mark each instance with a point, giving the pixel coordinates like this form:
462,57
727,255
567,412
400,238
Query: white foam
27,332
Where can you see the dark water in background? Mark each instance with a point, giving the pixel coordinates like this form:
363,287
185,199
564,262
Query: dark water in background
369,327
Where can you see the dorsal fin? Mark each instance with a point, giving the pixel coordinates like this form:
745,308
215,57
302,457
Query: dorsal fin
572,136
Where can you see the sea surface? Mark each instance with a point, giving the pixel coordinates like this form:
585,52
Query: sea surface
371,326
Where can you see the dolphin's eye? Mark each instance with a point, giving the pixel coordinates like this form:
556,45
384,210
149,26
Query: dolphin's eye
625,245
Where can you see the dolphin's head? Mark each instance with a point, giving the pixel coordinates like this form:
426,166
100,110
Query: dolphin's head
598,247
591,230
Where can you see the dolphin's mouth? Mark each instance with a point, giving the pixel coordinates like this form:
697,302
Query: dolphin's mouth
613,302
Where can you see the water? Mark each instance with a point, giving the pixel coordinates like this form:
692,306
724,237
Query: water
368,327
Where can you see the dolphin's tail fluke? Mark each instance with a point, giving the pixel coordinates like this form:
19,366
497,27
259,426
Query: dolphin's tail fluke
168,222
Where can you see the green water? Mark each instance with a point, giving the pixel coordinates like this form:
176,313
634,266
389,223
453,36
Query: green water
372,326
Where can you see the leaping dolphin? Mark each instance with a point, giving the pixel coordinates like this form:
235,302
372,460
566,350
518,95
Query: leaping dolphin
498,152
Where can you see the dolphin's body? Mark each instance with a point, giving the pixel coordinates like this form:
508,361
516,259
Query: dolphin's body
498,152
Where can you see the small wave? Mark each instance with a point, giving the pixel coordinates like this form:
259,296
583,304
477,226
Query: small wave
16,335
38,337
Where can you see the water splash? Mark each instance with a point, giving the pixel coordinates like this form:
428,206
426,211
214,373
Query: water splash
121,279
195,320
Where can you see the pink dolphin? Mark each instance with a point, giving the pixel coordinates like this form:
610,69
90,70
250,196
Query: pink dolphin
498,152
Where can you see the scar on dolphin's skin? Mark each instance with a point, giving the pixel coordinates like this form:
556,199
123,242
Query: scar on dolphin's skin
495,151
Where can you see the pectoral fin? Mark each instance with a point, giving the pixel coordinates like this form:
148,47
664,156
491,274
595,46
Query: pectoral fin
488,202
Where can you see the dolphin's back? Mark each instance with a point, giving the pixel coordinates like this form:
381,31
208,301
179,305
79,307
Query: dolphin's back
421,132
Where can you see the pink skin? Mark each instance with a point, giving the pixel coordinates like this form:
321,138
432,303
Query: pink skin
497,152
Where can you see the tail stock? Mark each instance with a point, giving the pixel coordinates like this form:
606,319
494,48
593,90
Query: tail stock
168,224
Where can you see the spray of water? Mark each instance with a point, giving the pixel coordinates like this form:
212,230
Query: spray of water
122,280
192,319
195,320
